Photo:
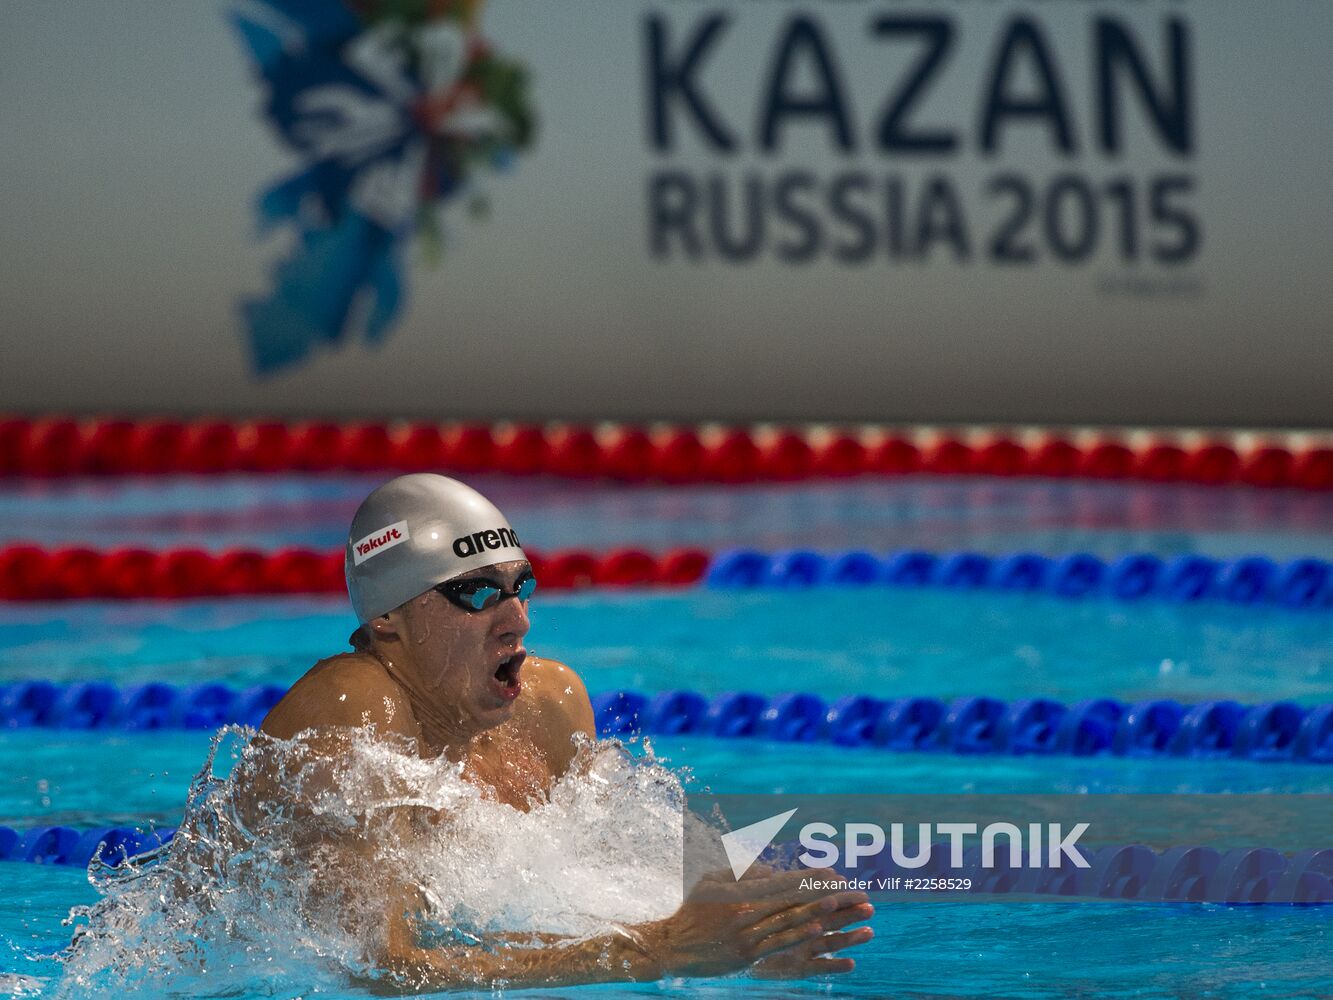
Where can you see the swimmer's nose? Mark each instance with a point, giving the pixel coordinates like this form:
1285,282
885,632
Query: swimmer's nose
512,617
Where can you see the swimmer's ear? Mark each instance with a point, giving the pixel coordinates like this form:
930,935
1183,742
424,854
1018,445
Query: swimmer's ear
383,627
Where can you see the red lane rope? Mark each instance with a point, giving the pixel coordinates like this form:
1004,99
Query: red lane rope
57,446
32,573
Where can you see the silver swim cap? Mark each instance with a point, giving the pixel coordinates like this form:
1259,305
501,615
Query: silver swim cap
417,531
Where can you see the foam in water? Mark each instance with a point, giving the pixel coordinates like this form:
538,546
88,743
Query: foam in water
254,891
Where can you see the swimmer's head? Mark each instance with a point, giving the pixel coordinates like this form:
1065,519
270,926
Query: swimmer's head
414,533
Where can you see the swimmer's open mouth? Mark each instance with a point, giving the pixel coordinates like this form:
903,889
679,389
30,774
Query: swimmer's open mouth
507,672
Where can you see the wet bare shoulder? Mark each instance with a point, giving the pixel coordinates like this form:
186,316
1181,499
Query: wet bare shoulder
559,708
349,690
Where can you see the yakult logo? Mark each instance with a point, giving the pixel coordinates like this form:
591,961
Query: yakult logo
474,544
376,542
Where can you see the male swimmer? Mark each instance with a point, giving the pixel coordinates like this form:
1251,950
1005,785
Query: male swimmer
439,582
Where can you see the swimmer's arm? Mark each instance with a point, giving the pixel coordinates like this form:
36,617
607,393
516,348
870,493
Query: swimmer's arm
505,960
553,962
724,927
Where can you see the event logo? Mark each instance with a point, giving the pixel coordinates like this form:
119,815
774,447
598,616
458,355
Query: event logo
394,107
1058,164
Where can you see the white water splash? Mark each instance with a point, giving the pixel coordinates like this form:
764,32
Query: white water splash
253,896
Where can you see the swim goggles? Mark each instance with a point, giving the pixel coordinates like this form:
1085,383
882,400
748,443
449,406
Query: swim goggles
477,593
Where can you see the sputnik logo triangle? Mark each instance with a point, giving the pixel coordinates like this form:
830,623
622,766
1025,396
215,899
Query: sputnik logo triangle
744,846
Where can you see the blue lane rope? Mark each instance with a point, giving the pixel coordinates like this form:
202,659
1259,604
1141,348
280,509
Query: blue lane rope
99,705
1254,580
1272,731
1247,875
63,845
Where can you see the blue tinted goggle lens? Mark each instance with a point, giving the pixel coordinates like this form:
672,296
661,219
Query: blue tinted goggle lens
482,597
526,586
478,595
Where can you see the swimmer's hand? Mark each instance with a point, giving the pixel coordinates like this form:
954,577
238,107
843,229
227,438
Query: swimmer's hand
726,926
816,956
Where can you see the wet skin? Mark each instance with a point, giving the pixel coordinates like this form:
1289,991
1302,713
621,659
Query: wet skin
430,674
461,686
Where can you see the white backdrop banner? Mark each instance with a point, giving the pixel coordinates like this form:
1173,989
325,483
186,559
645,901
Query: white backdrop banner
962,210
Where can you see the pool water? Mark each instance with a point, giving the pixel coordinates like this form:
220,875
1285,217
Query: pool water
878,641
931,950
930,512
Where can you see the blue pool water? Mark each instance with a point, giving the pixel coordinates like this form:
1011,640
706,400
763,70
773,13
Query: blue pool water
931,950
886,642
876,641
988,515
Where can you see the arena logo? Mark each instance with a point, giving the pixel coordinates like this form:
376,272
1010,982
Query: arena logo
379,541
861,841
478,542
